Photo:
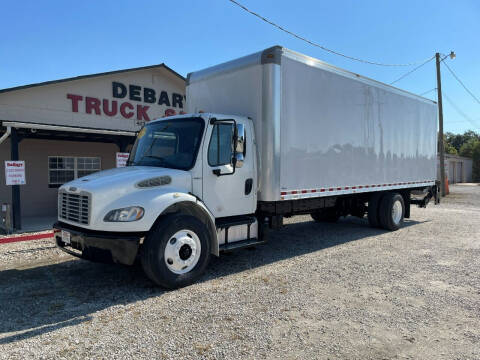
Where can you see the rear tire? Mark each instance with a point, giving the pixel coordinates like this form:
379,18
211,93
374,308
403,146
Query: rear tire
374,209
392,211
176,251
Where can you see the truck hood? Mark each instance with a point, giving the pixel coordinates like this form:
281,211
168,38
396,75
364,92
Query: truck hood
123,180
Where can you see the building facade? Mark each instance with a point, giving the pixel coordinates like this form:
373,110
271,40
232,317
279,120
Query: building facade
458,169
70,128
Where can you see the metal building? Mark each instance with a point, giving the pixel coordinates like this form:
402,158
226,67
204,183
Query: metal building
458,169
69,128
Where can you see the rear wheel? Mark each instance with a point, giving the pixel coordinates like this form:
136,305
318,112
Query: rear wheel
392,211
176,251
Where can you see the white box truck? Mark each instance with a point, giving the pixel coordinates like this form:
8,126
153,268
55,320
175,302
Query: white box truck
269,135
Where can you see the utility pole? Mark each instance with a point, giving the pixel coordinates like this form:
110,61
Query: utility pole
441,146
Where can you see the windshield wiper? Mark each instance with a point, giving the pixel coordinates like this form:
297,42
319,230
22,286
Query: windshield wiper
152,157
163,161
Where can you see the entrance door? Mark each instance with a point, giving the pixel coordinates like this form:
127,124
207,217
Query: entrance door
228,191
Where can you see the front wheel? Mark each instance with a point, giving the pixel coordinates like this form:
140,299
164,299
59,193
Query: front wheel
176,251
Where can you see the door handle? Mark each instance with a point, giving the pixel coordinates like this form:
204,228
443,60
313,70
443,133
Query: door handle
248,186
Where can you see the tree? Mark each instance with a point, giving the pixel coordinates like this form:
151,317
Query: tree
457,140
476,162
467,148
450,149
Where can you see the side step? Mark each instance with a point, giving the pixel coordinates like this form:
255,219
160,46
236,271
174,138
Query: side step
227,222
241,244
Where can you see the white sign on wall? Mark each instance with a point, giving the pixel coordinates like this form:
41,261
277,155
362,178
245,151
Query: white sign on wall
122,159
15,172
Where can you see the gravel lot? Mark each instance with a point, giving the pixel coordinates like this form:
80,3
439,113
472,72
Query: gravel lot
321,291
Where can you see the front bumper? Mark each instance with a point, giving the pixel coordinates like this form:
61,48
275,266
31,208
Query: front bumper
99,245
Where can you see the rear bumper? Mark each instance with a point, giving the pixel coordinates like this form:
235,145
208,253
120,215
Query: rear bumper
99,245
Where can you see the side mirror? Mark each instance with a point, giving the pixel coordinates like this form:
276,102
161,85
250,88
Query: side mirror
238,160
239,146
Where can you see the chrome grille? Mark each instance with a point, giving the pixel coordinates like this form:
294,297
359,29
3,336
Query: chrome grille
74,207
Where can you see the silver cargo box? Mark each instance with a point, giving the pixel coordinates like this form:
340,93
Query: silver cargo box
321,130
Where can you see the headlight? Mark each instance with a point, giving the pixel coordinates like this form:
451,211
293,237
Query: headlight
131,213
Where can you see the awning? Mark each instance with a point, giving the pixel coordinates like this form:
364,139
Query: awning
26,125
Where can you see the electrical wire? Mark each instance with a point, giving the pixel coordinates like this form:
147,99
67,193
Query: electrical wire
426,92
318,45
457,108
461,83
411,71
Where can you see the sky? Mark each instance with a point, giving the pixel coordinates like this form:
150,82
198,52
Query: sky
48,40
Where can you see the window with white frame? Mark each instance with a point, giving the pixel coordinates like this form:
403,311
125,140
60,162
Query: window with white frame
62,169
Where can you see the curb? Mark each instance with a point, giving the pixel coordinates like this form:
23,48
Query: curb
26,237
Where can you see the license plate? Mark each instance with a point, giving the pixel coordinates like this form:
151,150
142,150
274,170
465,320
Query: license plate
66,237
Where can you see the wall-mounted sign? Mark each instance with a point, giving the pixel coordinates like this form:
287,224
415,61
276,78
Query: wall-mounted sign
127,96
122,159
15,173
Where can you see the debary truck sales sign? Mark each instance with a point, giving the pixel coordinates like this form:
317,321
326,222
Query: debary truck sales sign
15,172
126,101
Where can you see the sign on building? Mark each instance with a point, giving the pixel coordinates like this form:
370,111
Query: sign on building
122,159
15,172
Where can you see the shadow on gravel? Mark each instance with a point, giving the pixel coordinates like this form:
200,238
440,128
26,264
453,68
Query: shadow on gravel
38,300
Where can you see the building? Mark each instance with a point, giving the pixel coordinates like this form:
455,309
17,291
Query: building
69,128
458,169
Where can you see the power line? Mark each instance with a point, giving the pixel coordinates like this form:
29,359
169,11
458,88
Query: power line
458,121
411,71
318,45
426,92
457,108
461,83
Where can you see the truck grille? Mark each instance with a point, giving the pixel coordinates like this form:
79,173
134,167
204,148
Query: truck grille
74,207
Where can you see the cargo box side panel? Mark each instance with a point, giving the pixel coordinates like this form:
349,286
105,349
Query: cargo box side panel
252,91
234,92
337,132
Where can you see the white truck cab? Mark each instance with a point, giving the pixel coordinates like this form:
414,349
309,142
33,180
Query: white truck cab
192,167
282,134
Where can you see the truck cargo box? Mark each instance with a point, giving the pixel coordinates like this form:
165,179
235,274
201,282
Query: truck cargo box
321,130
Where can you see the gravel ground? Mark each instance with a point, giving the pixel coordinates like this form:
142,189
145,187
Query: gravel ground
315,291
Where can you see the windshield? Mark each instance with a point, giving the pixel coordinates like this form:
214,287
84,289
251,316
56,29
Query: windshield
168,143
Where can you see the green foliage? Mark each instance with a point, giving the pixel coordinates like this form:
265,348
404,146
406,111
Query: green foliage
467,148
458,140
476,162
449,149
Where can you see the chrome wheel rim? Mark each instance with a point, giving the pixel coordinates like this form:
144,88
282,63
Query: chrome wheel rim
397,210
182,251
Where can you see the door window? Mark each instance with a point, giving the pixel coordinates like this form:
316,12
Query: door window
220,150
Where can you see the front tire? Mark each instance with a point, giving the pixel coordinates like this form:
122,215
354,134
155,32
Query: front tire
392,211
176,252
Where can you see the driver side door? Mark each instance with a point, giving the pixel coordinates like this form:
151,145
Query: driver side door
228,190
